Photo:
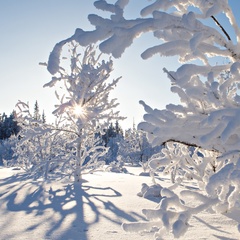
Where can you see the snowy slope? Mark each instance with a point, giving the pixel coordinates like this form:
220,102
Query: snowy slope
93,211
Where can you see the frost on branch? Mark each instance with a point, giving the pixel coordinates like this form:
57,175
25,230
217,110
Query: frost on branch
180,34
172,215
184,163
39,150
224,185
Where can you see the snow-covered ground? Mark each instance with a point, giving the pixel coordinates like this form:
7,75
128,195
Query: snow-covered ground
94,210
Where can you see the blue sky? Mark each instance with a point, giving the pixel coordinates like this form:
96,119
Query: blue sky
30,29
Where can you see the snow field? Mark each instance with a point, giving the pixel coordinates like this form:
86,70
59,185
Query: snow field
94,210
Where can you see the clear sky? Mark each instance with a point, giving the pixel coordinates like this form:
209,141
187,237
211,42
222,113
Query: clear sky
29,30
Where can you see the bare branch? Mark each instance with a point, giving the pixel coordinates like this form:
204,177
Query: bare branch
188,144
222,28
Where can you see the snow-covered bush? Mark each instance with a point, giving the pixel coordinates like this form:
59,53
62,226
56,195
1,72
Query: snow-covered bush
135,148
208,114
117,166
224,186
39,149
185,163
150,191
172,214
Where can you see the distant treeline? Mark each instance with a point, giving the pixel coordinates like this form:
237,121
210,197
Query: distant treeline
8,126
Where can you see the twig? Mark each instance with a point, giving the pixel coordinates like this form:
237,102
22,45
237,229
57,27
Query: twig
222,28
188,144
169,74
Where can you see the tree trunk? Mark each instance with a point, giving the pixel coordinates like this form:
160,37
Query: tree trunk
78,170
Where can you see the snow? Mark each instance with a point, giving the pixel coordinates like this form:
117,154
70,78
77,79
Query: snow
104,6
94,210
54,61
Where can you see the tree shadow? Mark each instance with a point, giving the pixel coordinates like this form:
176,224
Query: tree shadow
154,199
68,210
224,238
234,214
9,183
210,226
218,229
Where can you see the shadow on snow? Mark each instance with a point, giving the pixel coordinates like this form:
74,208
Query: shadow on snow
62,210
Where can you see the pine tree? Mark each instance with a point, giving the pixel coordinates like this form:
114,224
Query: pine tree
118,129
8,126
43,117
36,114
112,136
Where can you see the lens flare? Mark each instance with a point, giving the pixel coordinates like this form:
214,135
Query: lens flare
79,111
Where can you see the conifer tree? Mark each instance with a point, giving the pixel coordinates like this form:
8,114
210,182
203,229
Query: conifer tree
8,126
36,114
43,117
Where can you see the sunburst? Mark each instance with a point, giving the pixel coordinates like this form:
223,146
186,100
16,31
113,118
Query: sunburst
79,111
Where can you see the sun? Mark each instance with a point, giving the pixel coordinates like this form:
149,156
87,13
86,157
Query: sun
79,111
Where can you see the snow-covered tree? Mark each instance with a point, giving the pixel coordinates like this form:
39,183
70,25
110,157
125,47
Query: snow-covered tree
70,146
36,114
8,126
184,163
39,148
7,150
84,104
112,137
43,117
208,114
112,131
135,148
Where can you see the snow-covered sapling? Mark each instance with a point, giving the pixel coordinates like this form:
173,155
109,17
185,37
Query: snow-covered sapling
84,103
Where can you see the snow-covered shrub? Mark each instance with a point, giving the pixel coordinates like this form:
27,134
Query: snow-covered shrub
145,166
45,150
185,163
135,148
150,191
117,166
39,149
111,138
172,214
113,148
224,185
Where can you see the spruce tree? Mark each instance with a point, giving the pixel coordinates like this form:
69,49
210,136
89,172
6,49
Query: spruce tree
8,126
36,114
43,117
